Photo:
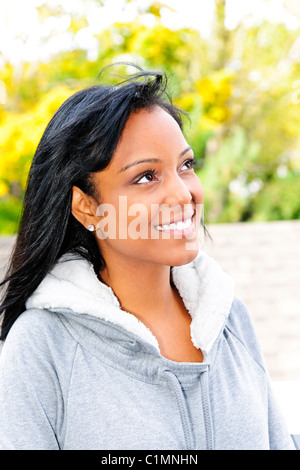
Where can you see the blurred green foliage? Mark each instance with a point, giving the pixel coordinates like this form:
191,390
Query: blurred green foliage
240,87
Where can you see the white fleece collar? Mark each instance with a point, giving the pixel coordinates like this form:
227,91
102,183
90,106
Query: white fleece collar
206,290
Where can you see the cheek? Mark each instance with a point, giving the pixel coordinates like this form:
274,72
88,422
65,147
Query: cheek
197,191
127,220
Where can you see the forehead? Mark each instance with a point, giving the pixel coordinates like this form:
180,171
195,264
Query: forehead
149,132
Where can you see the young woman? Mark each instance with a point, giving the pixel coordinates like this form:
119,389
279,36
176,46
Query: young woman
120,333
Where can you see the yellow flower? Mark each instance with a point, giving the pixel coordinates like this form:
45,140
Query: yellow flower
20,134
4,188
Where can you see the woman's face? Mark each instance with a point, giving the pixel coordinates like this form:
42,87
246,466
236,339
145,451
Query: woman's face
149,195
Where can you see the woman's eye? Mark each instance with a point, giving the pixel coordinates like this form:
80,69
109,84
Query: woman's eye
188,165
147,177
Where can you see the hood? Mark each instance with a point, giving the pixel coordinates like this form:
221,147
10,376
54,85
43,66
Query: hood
206,290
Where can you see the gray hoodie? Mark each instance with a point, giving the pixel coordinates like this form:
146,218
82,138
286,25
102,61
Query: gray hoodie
77,372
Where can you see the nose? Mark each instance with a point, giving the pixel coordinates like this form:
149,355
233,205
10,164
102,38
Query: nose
176,191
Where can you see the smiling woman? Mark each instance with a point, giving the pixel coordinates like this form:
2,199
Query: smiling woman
129,338
168,193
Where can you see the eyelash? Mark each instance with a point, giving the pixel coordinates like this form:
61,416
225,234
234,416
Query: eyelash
192,161
153,172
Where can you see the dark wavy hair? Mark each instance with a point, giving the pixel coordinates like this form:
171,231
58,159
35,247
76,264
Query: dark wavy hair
79,140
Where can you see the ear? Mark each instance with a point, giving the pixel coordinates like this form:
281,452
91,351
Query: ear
83,207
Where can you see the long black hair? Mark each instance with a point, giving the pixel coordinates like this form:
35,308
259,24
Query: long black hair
79,140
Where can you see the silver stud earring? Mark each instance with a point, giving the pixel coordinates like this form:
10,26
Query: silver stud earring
91,228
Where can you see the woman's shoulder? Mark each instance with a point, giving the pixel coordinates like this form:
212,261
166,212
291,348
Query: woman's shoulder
36,322
240,325
39,334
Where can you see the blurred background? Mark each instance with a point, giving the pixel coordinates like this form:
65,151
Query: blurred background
235,67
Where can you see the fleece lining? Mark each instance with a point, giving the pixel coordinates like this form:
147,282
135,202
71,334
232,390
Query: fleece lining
206,290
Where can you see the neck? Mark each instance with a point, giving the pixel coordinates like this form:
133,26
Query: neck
142,289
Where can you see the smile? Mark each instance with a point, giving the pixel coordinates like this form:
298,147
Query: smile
181,226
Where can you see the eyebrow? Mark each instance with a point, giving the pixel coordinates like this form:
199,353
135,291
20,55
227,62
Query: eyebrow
151,160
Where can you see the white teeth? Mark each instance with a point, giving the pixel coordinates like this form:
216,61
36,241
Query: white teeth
179,226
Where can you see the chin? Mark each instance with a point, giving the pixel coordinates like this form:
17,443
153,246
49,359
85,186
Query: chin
184,257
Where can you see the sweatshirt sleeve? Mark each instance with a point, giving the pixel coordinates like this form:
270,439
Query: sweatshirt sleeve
31,399
241,324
